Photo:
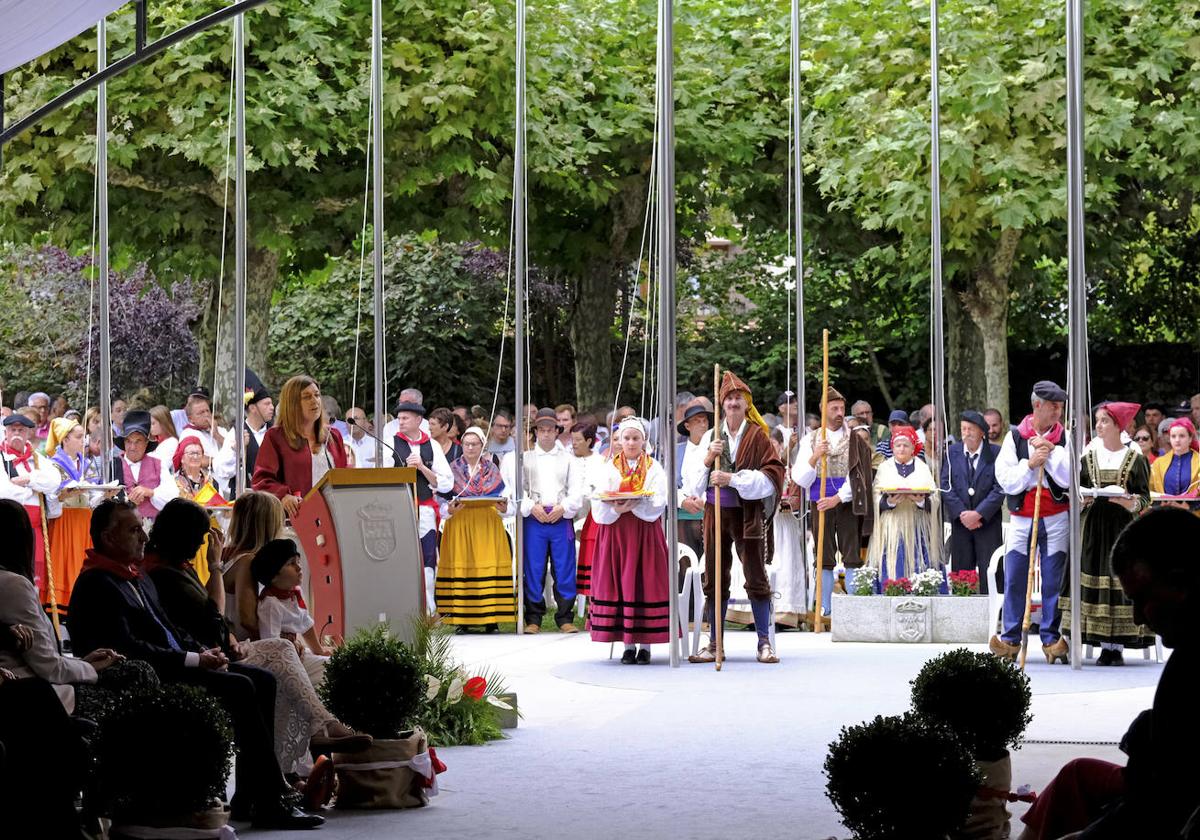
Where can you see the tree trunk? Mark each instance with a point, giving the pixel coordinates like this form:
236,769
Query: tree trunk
966,383
986,301
262,270
591,340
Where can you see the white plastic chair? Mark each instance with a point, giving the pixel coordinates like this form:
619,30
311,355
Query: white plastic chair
996,598
1158,654
691,594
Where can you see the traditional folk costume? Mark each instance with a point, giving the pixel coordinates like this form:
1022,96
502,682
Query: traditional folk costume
747,505
149,473
552,477
691,525
848,476
592,469
632,589
1178,475
203,491
904,542
1017,478
44,479
474,576
1106,614
224,465
428,508
69,531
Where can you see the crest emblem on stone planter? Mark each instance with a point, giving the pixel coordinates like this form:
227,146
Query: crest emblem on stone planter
911,620
378,531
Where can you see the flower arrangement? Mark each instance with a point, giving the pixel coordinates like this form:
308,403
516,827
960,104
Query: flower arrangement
460,708
865,581
964,583
900,586
927,583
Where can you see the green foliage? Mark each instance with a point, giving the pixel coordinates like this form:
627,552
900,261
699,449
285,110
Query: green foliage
129,752
446,720
982,698
373,683
874,801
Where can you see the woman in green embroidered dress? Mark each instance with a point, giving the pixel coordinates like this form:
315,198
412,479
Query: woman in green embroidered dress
1106,614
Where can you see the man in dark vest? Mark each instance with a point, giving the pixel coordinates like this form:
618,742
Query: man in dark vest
972,499
1036,451
148,485
260,411
414,448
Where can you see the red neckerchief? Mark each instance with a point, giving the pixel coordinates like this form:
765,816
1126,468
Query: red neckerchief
1027,431
198,429
431,502
284,595
424,438
96,560
21,459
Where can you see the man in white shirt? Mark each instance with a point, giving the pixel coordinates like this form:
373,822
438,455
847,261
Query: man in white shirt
553,491
408,395
260,411
26,477
148,484
1036,455
848,499
415,448
201,425
361,444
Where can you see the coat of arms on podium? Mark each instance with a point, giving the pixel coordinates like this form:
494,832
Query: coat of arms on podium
378,531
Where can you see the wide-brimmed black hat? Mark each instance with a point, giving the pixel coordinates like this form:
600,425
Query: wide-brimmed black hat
19,419
693,411
136,421
270,559
411,407
547,414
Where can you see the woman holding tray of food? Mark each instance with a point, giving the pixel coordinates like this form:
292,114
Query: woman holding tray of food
474,586
1177,473
1116,487
631,587
906,541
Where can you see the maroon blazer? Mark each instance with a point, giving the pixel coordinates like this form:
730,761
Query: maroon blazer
283,471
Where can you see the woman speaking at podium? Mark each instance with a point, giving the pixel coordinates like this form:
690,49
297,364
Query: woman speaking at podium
300,448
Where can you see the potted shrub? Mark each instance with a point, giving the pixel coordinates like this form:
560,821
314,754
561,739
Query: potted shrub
373,683
131,786
901,777
985,700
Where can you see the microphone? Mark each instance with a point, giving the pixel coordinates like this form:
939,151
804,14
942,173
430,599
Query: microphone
355,423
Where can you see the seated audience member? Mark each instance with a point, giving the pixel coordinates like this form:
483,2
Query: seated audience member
299,714
116,606
1157,792
282,612
257,519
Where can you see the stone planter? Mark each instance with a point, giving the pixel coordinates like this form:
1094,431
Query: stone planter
910,619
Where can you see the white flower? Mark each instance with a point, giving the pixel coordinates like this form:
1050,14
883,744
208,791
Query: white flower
454,692
432,686
499,704
928,582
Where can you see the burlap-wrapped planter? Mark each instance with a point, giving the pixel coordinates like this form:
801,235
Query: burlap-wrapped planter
990,817
202,825
391,773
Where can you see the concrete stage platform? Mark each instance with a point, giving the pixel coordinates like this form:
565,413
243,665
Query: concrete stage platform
608,750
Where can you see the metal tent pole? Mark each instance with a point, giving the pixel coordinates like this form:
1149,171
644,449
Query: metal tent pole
105,395
798,264
239,252
666,297
1076,299
519,247
377,219
937,325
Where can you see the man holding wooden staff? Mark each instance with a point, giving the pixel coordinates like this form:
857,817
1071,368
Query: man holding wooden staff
740,472
847,497
1035,456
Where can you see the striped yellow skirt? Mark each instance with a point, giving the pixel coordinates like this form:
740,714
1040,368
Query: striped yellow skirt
474,575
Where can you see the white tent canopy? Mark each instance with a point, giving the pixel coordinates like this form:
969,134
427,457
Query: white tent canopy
31,28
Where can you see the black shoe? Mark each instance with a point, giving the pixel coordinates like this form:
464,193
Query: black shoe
643,656
1105,657
240,809
1118,658
628,657
491,628
281,814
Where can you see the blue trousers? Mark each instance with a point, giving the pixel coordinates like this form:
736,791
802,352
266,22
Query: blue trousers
1016,577
557,540
827,582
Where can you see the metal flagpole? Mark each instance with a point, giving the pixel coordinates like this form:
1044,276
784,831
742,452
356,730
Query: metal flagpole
1076,298
937,325
666,297
798,266
105,395
377,219
239,251
519,237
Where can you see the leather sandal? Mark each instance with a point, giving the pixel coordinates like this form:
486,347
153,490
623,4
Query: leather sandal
766,653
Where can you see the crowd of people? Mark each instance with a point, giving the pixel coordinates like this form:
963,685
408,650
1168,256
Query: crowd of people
121,555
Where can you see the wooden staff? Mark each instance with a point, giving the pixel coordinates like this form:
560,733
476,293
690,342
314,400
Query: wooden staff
718,602
49,569
1033,544
818,624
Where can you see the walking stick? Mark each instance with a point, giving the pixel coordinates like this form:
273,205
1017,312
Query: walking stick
49,570
818,624
1033,535
718,602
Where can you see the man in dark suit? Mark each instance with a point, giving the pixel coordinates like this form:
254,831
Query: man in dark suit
118,608
972,499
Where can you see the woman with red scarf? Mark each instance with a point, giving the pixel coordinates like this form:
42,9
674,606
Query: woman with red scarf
903,543
631,587
26,478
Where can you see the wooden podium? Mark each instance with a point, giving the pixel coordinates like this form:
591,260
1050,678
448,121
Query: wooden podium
358,528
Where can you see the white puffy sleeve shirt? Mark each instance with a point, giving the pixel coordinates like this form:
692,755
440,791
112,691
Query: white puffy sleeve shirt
649,509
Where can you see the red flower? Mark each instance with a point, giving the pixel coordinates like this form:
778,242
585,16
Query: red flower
475,687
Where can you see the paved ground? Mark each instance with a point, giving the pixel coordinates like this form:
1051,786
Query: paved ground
606,750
